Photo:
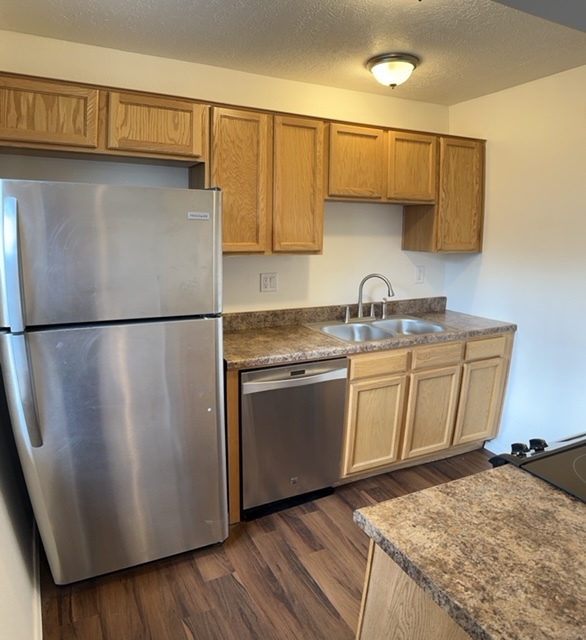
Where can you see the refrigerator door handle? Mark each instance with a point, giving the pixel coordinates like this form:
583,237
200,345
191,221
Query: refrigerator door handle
19,390
11,287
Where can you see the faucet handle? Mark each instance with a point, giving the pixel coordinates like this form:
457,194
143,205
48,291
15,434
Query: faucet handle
386,300
347,317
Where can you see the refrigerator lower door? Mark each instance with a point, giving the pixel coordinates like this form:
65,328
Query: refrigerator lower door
123,449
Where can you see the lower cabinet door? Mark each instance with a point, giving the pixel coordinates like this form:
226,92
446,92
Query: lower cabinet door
480,401
431,411
373,427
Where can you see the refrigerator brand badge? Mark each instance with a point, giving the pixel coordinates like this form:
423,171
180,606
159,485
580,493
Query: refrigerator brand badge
198,215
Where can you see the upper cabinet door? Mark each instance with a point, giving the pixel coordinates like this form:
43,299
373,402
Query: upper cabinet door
48,113
241,165
412,167
454,223
357,162
461,195
298,199
157,125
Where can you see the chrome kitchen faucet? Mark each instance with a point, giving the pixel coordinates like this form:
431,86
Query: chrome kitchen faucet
361,286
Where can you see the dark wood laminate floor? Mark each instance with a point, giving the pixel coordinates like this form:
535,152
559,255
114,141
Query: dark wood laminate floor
297,574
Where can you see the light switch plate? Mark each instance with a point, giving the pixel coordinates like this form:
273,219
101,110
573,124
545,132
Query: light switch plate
419,274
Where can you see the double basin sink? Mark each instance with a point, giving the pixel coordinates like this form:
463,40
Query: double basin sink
371,330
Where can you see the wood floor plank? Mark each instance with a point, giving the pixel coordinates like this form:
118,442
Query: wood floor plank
185,582
355,495
261,583
236,615
351,551
207,625
119,612
85,629
317,617
335,579
293,575
341,516
158,608
213,563
301,538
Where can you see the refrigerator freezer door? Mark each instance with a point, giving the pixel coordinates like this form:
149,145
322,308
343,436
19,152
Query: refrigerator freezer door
90,253
130,463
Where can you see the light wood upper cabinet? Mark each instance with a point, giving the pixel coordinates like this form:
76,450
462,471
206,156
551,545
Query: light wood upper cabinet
60,116
241,165
157,125
357,162
275,170
270,171
298,198
365,163
483,386
48,113
461,195
412,166
454,224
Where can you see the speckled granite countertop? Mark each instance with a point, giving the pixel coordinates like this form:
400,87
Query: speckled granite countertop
503,552
280,337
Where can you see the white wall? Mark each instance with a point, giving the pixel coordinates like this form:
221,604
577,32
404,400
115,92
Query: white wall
533,267
358,239
20,611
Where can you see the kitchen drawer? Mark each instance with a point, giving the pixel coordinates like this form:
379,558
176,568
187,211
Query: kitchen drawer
378,364
487,348
436,355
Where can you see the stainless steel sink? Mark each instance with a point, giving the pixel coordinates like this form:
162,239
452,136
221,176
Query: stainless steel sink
356,332
408,326
370,330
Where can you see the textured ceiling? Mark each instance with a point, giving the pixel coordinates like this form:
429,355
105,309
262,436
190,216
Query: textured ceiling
468,48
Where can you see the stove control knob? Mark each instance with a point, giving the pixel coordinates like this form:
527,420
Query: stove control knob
537,444
519,449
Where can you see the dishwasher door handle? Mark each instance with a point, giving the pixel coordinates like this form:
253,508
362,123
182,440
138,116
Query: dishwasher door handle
288,383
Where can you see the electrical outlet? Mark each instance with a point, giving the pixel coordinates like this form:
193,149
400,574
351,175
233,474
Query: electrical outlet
419,274
269,282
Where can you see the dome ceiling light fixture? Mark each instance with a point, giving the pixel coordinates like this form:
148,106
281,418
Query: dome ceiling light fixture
392,69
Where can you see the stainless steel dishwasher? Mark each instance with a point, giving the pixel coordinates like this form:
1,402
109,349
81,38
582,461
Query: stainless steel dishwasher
292,419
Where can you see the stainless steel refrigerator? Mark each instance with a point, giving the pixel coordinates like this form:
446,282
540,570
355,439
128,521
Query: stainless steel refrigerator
111,357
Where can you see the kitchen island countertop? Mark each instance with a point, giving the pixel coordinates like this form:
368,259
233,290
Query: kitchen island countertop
502,552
